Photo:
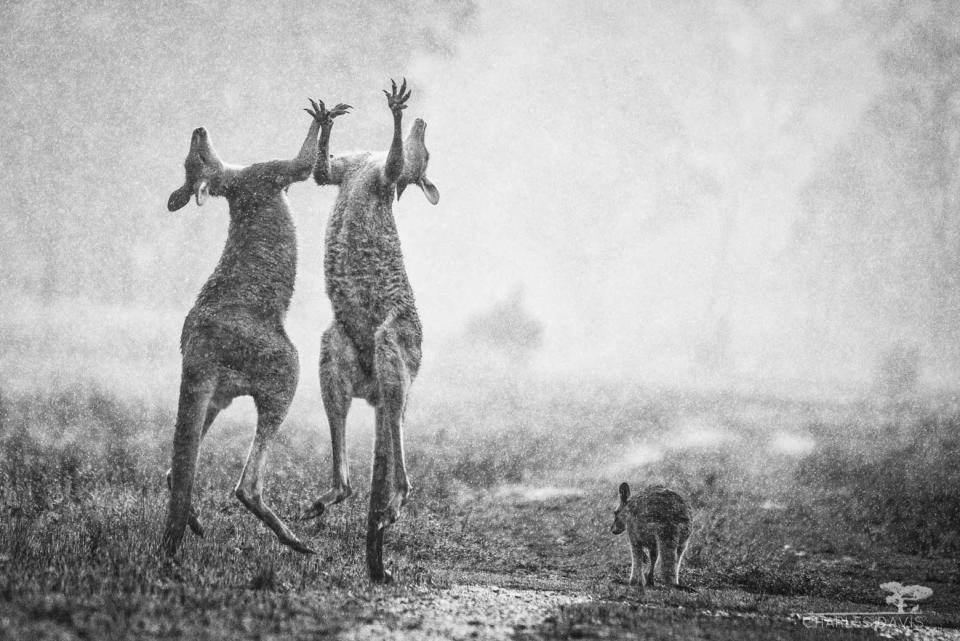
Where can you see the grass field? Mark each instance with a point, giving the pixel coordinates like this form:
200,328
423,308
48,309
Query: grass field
799,507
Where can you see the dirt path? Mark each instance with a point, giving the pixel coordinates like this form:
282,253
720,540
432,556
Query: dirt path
490,612
463,612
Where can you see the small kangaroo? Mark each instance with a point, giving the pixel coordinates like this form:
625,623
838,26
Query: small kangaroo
657,520
233,341
371,350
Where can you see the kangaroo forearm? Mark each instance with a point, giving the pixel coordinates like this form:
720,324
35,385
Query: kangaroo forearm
302,165
321,171
394,166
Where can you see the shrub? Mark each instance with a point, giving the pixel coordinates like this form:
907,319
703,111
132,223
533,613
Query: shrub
906,494
57,447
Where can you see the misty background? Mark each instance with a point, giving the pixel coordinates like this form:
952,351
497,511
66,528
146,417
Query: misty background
732,193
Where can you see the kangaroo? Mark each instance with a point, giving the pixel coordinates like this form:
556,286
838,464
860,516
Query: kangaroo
371,350
657,520
233,341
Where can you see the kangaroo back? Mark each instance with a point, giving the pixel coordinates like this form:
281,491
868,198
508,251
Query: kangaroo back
233,342
371,349
658,523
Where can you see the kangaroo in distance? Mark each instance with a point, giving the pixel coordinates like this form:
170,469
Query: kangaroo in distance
657,520
371,350
233,341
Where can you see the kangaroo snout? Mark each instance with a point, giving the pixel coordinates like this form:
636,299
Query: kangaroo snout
199,137
416,158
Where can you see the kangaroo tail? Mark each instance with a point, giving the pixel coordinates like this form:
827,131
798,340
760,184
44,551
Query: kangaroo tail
195,397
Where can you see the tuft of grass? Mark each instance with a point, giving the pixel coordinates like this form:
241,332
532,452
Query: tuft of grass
264,578
57,449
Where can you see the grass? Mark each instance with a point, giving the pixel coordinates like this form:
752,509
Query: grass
903,488
513,488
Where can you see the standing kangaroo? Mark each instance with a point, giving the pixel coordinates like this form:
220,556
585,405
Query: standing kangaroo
233,341
371,350
657,521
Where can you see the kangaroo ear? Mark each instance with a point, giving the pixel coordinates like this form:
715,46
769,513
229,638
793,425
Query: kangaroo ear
429,190
624,492
179,198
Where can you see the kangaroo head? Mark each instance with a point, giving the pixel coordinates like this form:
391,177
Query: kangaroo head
619,525
204,171
415,159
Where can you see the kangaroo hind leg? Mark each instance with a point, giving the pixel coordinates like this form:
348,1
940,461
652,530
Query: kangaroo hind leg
671,560
271,410
339,375
681,550
655,554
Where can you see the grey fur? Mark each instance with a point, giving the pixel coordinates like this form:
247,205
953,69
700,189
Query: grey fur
657,521
233,341
371,350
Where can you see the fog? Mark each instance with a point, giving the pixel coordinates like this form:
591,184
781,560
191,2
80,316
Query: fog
729,193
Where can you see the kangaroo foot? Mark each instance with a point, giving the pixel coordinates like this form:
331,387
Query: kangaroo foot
385,577
284,534
321,505
194,522
170,542
292,542
391,514
387,518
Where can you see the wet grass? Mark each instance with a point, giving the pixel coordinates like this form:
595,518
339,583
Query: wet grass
777,532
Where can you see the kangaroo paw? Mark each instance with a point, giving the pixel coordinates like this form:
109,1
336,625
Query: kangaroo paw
387,518
385,578
314,511
194,522
390,514
296,544
284,534
322,504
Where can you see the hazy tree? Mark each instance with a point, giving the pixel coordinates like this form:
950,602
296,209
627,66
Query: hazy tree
880,229
507,328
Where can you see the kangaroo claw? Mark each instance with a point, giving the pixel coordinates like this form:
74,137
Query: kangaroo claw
314,511
298,545
194,523
387,518
340,110
386,578
396,98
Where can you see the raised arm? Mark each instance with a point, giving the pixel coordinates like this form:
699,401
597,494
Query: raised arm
281,173
396,100
323,173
